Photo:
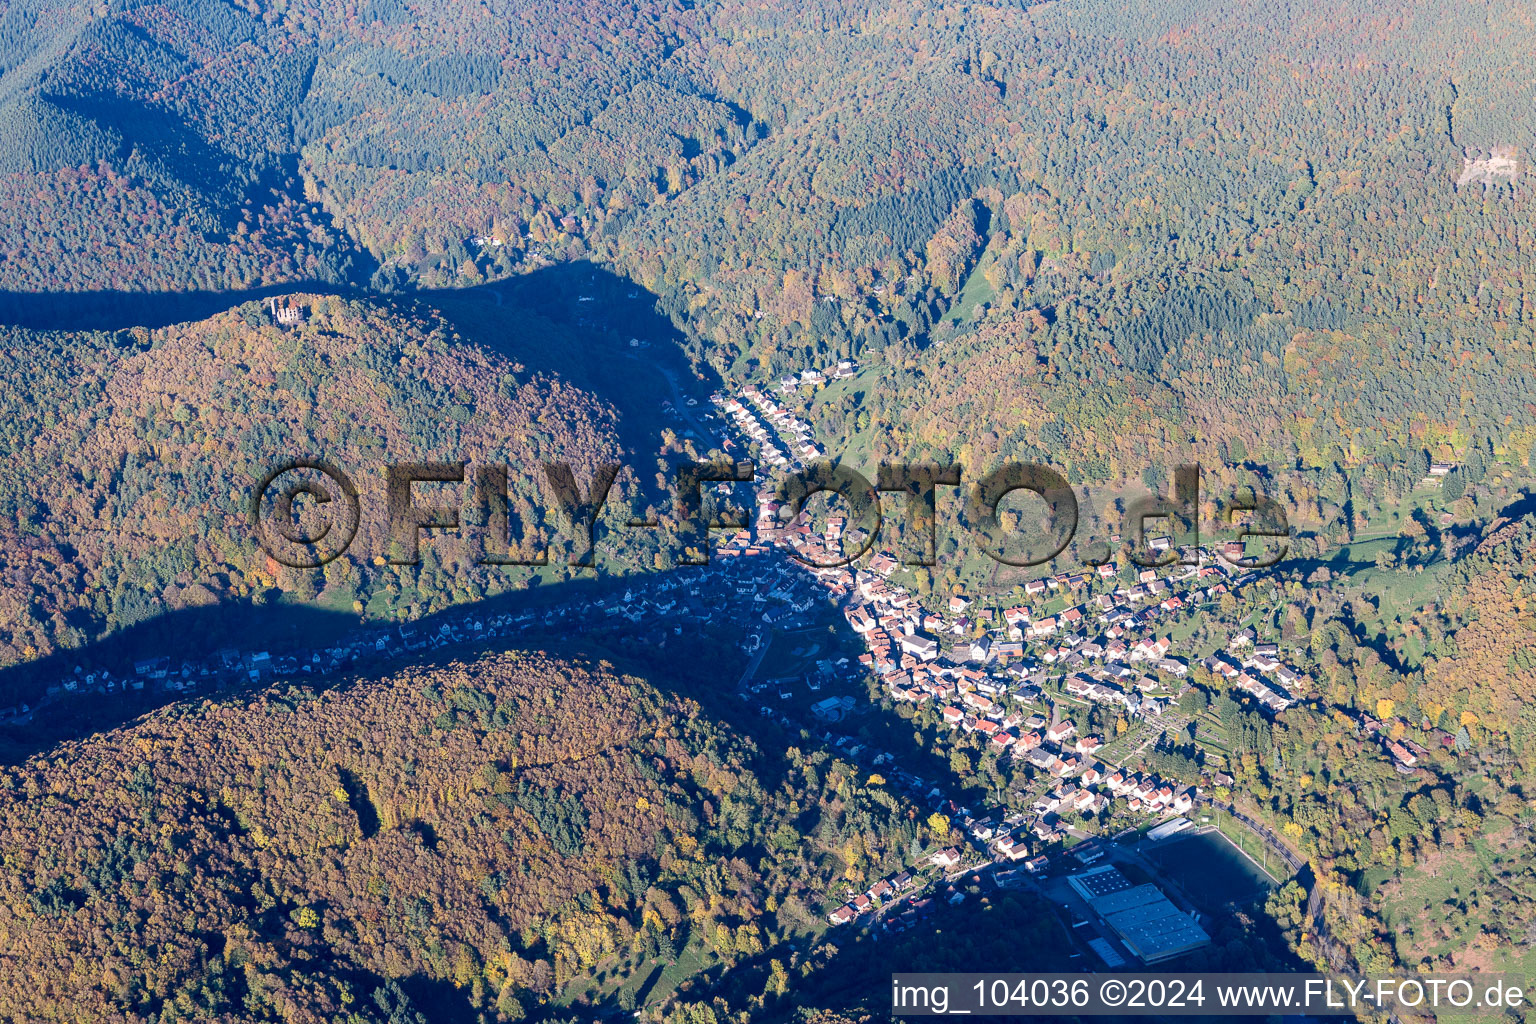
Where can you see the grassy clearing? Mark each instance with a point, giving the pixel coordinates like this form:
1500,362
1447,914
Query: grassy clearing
973,294
1439,908
657,979
1424,499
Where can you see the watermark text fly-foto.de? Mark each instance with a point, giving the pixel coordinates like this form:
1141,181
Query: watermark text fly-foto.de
1198,994
333,502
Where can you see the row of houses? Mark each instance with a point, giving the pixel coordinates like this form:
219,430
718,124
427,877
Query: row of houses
791,383
794,434
985,677
873,898
1093,793
1276,683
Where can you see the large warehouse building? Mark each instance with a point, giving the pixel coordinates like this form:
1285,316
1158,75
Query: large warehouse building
1141,917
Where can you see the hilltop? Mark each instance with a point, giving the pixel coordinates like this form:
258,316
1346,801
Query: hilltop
1101,224
476,836
134,455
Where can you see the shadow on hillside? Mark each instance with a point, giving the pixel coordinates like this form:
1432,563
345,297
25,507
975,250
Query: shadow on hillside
701,662
121,310
200,634
581,322
701,665
989,925
576,321
613,342
616,345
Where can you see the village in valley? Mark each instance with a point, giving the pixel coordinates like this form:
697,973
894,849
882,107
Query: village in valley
1026,680
1061,699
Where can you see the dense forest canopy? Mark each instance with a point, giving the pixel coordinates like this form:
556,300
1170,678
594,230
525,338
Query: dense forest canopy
136,454
497,828
1290,242
899,184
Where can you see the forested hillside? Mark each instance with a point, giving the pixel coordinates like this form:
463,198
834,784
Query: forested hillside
1289,242
1482,643
469,840
134,457
1150,252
